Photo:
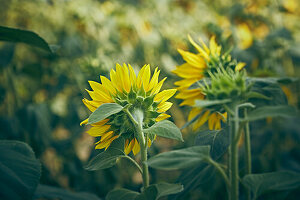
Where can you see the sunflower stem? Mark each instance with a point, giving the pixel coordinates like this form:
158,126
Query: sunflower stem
234,178
135,163
137,120
247,152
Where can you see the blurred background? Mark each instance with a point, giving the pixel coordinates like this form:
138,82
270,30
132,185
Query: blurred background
40,93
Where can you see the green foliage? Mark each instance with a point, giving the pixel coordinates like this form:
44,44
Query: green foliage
49,192
20,170
109,157
104,111
153,192
165,129
208,103
180,159
269,182
271,111
24,36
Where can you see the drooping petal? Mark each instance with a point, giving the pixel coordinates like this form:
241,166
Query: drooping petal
136,147
128,148
191,58
97,131
105,143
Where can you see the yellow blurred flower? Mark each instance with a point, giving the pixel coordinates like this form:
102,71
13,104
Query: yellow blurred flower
195,69
125,88
244,35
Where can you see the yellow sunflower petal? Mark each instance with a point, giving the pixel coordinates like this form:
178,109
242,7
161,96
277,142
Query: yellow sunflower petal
106,136
108,85
200,50
84,121
188,71
126,79
88,105
97,131
100,123
105,143
162,117
201,120
149,143
240,66
128,148
193,113
154,80
165,95
157,88
132,75
191,58
114,80
136,147
164,106
139,79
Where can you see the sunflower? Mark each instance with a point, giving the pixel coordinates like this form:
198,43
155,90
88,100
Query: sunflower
127,89
199,66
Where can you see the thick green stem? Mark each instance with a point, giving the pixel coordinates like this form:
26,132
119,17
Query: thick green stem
138,123
247,152
234,179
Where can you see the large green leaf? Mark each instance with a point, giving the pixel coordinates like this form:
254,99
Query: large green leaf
218,140
155,191
24,36
274,181
165,129
104,111
272,80
19,170
109,157
180,159
207,103
271,111
50,192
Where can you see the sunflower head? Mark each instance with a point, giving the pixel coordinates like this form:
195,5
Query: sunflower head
226,84
139,93
198,67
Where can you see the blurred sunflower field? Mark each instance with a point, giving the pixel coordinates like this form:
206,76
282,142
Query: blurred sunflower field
84,84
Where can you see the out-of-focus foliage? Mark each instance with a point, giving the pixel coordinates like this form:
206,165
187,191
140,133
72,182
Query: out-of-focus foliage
40,93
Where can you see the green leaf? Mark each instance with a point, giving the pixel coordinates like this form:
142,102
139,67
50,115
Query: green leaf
109,157
104,111
256,95
271,111
19,170
165,129
263,183
50,192
218,140
180,159
24,36
207,103
121,194
155,191
282,80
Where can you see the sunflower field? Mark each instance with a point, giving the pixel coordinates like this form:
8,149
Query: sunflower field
149,99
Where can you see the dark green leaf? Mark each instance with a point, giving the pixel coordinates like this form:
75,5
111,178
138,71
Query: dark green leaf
104,111
272,80
274,181
20,170
180,159
271,111
121,194
218,140
155,191
165,129
24,36
50,192
109,157
207,103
